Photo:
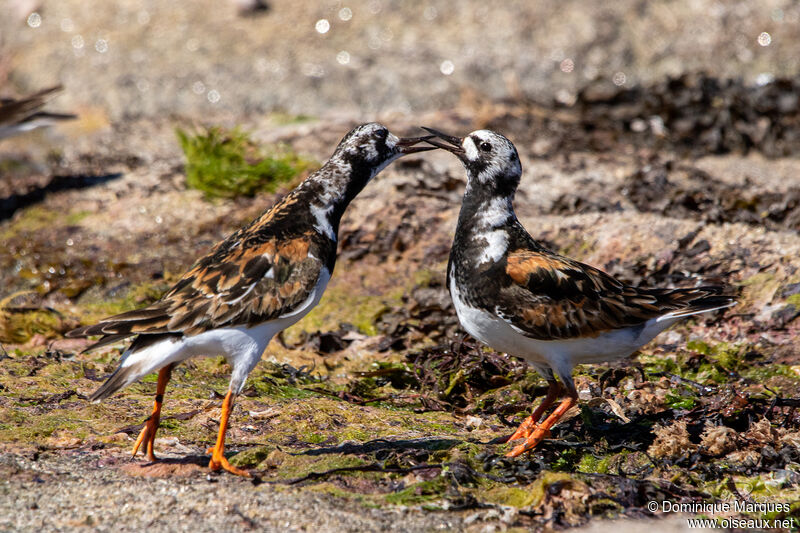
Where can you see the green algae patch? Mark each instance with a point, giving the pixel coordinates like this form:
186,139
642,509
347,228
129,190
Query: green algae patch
717,361
764,487
75,217
590,464
252,457
782,379
30,220
19,326
758,289
519,497
678,401
17,427
764,372
340,305
135,297
554,482
293,467
267,388
322,419
228,163
421,492
368,501
34,219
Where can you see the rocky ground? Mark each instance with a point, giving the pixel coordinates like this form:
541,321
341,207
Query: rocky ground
373,412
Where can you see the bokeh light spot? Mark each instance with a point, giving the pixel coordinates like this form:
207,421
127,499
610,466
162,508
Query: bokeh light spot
447,67
34,20
322,26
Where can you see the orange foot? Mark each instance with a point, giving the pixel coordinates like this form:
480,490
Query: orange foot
530,424
217,451
542,431
219,461
148,433
531,441
525,429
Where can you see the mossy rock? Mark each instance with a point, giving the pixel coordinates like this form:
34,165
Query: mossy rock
227,163
252,457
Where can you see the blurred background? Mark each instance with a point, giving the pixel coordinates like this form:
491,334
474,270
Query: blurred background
132,59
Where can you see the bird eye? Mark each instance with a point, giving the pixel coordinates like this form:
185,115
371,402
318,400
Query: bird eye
485,147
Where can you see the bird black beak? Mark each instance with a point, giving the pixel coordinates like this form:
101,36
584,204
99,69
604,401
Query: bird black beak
406,144
451,144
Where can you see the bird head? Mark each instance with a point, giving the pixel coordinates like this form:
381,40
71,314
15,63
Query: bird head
371,145
491,160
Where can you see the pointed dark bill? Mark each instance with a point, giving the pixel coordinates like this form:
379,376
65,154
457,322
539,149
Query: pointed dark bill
451,143
406,144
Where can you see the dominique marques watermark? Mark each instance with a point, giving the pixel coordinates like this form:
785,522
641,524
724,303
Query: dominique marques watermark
722,508
719,507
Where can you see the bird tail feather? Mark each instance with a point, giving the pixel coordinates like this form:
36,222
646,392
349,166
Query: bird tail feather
121,377
146,354
698,300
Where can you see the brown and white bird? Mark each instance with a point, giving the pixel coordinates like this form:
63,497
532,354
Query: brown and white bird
25,114
257,282
518,297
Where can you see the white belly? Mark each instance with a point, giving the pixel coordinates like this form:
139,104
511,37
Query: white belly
558,354
241,346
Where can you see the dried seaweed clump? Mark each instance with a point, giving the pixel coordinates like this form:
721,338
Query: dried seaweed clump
459,374
718,440
672,441
761,432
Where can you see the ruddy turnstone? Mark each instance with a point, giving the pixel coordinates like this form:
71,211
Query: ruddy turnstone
21,115
255,283
513,294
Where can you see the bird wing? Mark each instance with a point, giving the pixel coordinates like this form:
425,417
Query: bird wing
239,282
12,110
549,297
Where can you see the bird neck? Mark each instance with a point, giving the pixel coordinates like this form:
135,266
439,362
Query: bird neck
481,212
483,232
330,190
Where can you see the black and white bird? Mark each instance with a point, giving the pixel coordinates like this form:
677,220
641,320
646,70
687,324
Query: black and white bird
252,285
25,114
518,297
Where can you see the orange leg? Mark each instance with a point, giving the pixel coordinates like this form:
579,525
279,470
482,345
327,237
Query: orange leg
529,424
148,432
542,431
218,460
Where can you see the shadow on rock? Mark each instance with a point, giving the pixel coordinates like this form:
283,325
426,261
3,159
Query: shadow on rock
10,204
378,445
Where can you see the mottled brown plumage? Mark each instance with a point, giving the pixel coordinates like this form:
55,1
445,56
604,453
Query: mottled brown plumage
229,287
552,297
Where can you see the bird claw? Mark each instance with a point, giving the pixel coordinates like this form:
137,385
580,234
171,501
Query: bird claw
146,437
537,436
218,461
524,430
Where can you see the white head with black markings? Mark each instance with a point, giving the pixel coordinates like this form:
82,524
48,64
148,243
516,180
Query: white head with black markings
360,156
491,160
372,147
